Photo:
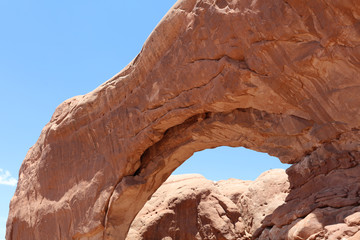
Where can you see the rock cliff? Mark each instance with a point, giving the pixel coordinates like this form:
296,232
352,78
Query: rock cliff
278,76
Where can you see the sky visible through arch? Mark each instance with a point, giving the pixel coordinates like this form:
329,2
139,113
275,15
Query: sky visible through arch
227,162
53,50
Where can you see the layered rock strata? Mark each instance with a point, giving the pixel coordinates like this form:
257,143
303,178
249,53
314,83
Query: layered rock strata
323,202
279,76
192,207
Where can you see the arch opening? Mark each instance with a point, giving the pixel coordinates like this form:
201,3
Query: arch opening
250,128
223,192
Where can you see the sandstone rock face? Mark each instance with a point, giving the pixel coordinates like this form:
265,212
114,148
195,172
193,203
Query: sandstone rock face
278,76
324,196
192,207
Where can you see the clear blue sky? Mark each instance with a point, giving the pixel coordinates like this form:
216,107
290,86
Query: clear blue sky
53,50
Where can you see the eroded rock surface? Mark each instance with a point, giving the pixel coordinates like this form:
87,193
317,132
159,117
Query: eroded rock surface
278,76
192,207
324,195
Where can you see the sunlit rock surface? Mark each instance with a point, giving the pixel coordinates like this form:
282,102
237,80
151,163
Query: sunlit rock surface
192,207
278,76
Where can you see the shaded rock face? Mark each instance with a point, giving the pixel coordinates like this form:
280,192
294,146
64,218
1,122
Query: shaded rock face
278,76
324,195
192,207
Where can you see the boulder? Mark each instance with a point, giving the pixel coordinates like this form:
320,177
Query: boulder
192,207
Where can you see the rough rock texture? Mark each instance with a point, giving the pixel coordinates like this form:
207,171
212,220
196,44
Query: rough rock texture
192,207
324,195
278,76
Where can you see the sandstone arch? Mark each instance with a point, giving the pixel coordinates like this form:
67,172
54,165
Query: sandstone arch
279,76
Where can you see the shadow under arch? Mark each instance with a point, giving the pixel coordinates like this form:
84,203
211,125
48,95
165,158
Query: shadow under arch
209,130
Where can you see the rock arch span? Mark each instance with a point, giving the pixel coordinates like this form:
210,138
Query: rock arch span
280,77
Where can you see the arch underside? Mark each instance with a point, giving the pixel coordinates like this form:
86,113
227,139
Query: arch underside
280,77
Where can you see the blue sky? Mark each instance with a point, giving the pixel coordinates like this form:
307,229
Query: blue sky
53,50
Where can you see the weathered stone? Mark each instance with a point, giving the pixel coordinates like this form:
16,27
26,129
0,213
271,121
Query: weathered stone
186,207
262,197
192,207
278,76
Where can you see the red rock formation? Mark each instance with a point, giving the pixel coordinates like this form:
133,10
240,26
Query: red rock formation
278,76
324,195
192,207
